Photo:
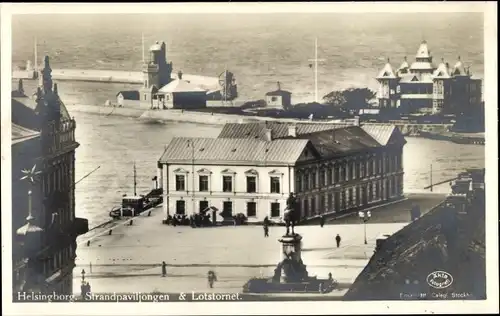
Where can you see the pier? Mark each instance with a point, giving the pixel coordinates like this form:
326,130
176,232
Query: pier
112,76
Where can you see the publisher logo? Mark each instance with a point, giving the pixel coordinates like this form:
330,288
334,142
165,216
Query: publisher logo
439,279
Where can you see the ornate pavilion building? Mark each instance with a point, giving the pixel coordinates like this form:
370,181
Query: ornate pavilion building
424,87
43,194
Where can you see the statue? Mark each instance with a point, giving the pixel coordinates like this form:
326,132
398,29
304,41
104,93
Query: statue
290,215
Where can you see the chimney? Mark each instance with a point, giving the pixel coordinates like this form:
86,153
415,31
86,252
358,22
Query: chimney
268,134
179,75
20,87
292,130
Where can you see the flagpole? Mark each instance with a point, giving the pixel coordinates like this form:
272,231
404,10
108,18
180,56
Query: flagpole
143,54
316,69
315,60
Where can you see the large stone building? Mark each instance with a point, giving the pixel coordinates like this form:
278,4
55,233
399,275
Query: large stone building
423,87
252,168
43,194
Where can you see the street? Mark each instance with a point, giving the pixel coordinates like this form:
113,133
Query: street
129,260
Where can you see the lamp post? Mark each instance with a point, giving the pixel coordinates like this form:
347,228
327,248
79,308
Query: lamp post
365,217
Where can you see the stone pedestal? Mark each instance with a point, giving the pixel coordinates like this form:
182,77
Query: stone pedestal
290,274
291,265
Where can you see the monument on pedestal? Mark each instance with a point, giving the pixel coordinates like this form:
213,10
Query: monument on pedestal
290,274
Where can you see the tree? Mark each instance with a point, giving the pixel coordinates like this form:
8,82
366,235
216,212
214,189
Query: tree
350,99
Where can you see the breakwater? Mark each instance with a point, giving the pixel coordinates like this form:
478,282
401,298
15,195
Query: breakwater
112,76
210,118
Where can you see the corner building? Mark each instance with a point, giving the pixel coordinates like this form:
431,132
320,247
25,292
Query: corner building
44,224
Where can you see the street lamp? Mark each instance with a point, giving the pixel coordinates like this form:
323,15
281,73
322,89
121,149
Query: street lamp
365,216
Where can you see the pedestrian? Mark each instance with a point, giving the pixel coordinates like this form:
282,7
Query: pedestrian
163,269
211,278
322,221
338,239
330,277
266,231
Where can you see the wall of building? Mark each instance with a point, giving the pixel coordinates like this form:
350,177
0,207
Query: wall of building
274,100
187,100
215,194
355,181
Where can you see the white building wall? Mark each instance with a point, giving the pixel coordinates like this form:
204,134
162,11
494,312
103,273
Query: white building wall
239,197
274,100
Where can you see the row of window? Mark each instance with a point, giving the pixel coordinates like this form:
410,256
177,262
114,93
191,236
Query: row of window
352,171
349,197
58,260
227,208
227,184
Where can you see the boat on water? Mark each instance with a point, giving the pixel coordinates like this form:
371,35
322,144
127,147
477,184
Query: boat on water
135,204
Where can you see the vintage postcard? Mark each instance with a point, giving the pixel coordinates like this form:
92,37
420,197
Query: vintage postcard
249,158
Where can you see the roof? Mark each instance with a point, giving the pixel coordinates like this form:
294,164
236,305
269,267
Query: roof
416,78
278,92
387,72
180,85
20,134
441,240
233,150
381,133
24,109
423,51
343,140
155,47
129,95
459,68
441,71
279,130
404,65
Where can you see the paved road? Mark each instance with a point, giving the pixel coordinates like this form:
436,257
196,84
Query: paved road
398,212
129,259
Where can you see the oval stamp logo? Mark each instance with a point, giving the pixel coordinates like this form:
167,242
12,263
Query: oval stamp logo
439,279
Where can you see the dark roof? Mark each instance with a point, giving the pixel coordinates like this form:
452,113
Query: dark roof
441,240
279,92
279,130
230,150
20,133
333,142
25,113
129,95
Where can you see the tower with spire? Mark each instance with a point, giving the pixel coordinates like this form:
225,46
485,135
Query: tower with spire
423,87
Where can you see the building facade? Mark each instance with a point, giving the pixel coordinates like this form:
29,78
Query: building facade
331,170
278,98
422,87
181,94
44,224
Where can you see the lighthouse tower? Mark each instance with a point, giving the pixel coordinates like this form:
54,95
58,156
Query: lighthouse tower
157,72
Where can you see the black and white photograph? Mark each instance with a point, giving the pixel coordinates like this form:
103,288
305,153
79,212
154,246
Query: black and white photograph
306,155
